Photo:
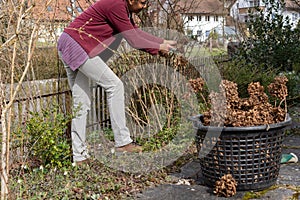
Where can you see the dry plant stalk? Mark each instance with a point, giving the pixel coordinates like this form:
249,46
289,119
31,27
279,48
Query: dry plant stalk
20,31
226,186
253,111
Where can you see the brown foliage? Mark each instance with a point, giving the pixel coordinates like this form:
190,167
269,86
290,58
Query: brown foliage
252,111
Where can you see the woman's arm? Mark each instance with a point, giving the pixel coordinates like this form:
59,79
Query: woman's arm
138,39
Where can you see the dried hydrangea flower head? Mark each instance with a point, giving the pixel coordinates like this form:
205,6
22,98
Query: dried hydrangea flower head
226,186
278,88
253,111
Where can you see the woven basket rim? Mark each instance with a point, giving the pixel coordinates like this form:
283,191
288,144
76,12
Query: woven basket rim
197,124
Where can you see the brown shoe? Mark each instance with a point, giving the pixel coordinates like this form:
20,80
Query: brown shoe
131,148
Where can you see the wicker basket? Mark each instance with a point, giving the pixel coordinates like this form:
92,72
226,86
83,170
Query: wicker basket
251,154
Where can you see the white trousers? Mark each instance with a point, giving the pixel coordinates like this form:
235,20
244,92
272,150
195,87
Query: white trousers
96,70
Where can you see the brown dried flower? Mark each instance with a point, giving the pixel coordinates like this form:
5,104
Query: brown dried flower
197,84
226,186
278,88
253,111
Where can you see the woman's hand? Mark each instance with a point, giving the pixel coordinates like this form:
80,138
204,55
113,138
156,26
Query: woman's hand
166,47
170,42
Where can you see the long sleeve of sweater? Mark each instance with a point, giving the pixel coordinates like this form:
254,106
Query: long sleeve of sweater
134,36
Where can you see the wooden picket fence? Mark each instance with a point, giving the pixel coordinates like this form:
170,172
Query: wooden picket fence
37,95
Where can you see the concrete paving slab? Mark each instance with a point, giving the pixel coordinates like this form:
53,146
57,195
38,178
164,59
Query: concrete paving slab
289,174
182,192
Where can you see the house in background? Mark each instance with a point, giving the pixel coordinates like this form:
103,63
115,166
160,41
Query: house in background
223,17
203,17
239,10
292,11
55,16
199,17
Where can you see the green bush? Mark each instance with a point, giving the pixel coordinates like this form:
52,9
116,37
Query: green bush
47,140
243,73
293,86
272,40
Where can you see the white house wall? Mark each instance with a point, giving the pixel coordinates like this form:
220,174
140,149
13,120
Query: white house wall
293,17
238,11
249,3
201,28
50,32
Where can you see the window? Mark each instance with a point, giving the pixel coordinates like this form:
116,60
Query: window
190,18
216,18
253,3
199,32
294,17
69,9
49,8
207,33
207,18
198,18
79,9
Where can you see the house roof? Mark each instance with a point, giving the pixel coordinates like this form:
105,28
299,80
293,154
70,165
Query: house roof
61,10
58,10
292,5
202,6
